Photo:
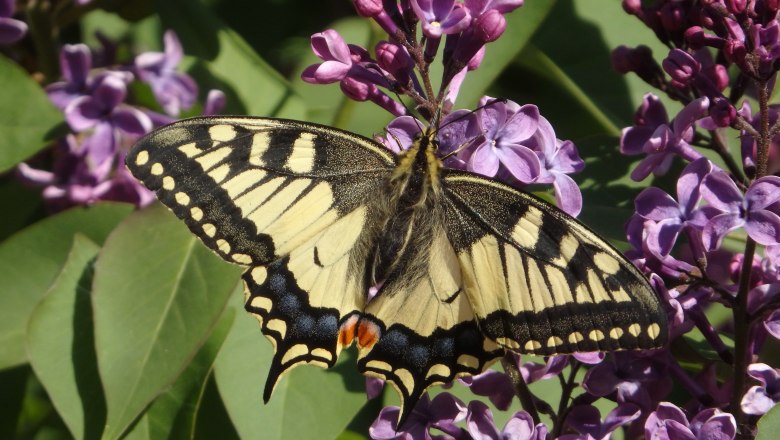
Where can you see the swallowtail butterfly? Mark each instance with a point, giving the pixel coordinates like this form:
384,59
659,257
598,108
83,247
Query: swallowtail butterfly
468,267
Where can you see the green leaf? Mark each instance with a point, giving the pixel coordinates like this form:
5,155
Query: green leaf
172,415
253,87
60,343
157,295
769,424
26,202
521,24
32,258
302,406
27,119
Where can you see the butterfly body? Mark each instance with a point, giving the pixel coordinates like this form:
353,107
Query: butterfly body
465,267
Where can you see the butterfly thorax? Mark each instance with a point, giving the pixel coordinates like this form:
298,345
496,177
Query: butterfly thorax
412,212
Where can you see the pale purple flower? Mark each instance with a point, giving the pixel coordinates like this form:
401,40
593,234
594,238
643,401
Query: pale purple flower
440,413
629,377
505,129
761,398
666,141
586,420
494,385
374,387
175,91
766,42
668,422
670,217
400,133
557,159
439,17
533,372
106,116
520,426
75,64
11,30
751,210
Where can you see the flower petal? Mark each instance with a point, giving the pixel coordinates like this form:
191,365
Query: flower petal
718,227
567,194
484,160
764,227
479,422
763,192
654,204
720,191
689,182
520,161
521,125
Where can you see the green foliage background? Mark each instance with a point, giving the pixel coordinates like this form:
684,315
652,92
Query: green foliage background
117,323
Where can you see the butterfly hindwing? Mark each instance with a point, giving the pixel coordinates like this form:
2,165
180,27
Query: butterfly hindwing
252,189
540,282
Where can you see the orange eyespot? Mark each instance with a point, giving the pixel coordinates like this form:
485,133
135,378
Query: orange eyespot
347,331
368,334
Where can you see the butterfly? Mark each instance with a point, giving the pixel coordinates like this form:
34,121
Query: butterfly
462,268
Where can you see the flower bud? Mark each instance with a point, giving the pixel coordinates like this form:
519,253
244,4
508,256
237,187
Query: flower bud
395,59
368,8
356,89
489,26
682,67
722,112
736,6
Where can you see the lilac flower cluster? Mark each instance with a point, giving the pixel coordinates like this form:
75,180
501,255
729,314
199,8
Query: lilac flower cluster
501,139
680,240
88,163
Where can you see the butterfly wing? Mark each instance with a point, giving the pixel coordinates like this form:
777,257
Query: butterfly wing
289,200
539,281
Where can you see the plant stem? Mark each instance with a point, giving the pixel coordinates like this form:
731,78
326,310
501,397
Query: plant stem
42,33
563,404
521,388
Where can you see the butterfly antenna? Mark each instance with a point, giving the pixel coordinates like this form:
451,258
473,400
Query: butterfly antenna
389,86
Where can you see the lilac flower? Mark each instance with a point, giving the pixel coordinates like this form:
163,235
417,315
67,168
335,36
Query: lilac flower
104,113
441,17
629,378
737,210
761,398
520,426
441,413
479,7
533,372
174,91
495,385
345,64
374,387
668,422
665,141
505,129
557,159
75,64
400,133
671,217
11,30
766,43
586,420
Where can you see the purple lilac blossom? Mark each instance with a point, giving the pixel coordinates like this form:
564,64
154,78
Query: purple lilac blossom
666,141
668,422
586,420
75,64
629,377
737,210
174,91
670,217
494,385
439,17
440,413
761,398
11,30
520,426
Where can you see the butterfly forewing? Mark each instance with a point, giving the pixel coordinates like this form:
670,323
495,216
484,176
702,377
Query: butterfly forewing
540,282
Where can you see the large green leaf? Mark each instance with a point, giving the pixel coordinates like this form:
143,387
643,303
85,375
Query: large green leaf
60,343
172,415
308,403
27,119
252,85
769,424
157,294
32,258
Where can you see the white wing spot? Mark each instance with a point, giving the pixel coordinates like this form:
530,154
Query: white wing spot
260,142
508,343
213,158
182,198
219,173
295,351
142,158
242,258
190,150
157,169
222,133
607,263
301,159
468,361
168,183
209,229
653,330
407,380
196,213
533,345
379,365
259,275
596,335
575,337
262,303
438,370
323,353
223,246
278,326
526,231
554,341
635,329
616,333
